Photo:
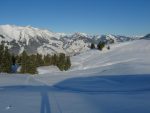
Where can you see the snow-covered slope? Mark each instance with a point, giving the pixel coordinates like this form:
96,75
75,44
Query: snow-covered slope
122,59
35,40
109,81
127,57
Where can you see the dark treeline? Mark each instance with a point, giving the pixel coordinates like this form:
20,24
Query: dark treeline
29,63
102,44
5,59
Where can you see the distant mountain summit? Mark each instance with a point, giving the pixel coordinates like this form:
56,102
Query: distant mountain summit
35,40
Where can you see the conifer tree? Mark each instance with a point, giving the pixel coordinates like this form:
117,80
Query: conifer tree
47,60
28,63
108,47
55,60
18,59
13,59
1,52
61,63
32,64
92,46
39,60
67,63
101,45
6,61
24,61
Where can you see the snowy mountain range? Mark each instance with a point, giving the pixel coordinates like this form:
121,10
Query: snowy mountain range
42,41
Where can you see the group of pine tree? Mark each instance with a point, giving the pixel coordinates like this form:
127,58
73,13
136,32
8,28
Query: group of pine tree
101,45
29,63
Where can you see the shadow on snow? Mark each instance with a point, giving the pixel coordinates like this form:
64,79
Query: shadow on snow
95,84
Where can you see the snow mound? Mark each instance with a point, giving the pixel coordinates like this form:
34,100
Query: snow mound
47,69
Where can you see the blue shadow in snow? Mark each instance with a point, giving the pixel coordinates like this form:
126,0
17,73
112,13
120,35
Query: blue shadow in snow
106,84
95,84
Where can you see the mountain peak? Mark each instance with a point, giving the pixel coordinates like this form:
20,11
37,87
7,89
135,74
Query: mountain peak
35,40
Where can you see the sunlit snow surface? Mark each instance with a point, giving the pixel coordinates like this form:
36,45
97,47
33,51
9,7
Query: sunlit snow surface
114,81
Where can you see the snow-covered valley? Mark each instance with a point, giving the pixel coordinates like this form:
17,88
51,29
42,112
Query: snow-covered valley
108,81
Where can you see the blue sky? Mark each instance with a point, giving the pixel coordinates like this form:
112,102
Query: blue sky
122,17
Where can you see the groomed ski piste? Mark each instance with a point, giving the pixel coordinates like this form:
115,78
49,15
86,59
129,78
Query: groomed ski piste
108,81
